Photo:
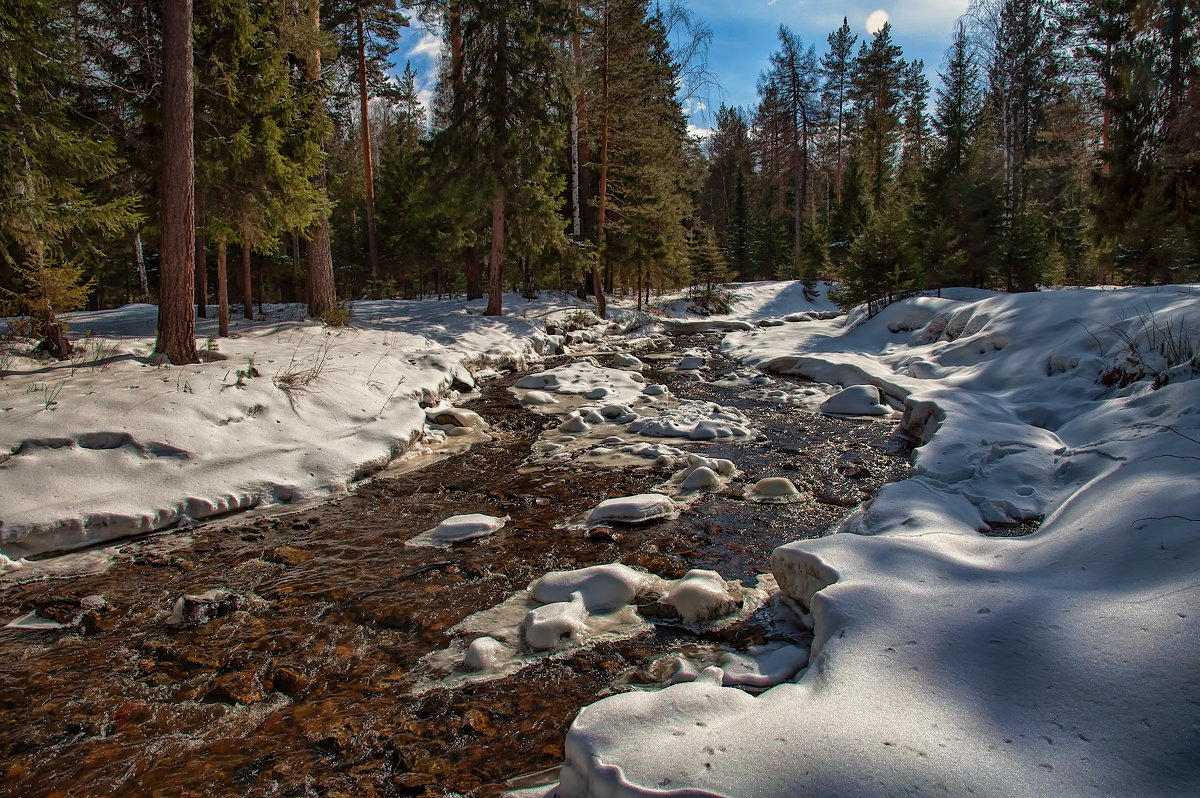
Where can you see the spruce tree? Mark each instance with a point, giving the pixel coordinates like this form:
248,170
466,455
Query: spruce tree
506,114
792,79
875,87
50,205
836,67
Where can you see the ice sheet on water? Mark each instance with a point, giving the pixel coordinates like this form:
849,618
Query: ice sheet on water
695,420
603,587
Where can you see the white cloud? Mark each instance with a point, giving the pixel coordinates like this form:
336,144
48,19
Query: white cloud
700,132
430,46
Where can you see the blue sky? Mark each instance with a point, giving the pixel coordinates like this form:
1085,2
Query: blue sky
745,35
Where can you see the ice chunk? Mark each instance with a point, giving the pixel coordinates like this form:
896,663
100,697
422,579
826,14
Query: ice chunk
778,490
654,389
701,596
540,398
701,478
574,425
857,400
634,509
467,527
603,587
625,361
553,625
691,361
447,416
538,381
487,654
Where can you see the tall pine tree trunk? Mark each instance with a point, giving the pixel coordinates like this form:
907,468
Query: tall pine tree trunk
322,292
201,262
368,170
474,271
176,313
247,290
222,290
500,122
602,191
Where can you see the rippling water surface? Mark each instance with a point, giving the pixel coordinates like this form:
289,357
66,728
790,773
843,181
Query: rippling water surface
307,678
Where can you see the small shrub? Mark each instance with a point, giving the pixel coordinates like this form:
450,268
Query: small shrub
297,375
710,299
337,316
382,289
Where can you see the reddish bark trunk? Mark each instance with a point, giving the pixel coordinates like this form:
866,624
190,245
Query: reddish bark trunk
222,291
322,292
247,289
496,261
176,311
474,273
368,168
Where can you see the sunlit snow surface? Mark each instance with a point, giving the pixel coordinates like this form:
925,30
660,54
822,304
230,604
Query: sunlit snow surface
946,661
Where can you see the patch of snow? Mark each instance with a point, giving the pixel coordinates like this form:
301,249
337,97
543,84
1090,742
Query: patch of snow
701,596
639,509
459,528
952,661
602,587
857,400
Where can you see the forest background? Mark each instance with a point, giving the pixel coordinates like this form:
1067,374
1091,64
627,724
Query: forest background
1061,145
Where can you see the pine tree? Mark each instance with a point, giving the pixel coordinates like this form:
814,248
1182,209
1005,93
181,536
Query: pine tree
366,33
959,217
875,87
507,112
644,193
709,271
176,309
408,211
792,79
836,68
259,155
1020,77
322,291
882,265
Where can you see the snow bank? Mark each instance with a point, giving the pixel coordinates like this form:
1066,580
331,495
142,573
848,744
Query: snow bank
1061,663
113,443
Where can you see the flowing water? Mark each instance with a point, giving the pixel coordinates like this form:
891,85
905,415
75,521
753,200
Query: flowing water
307,674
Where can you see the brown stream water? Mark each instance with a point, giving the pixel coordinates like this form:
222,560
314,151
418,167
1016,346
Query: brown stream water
302,683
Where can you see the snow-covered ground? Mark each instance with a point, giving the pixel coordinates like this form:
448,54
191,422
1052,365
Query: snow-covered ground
1063,662
112,443
947,661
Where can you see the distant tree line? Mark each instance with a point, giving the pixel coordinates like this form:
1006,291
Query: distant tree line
1062,145
556,154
